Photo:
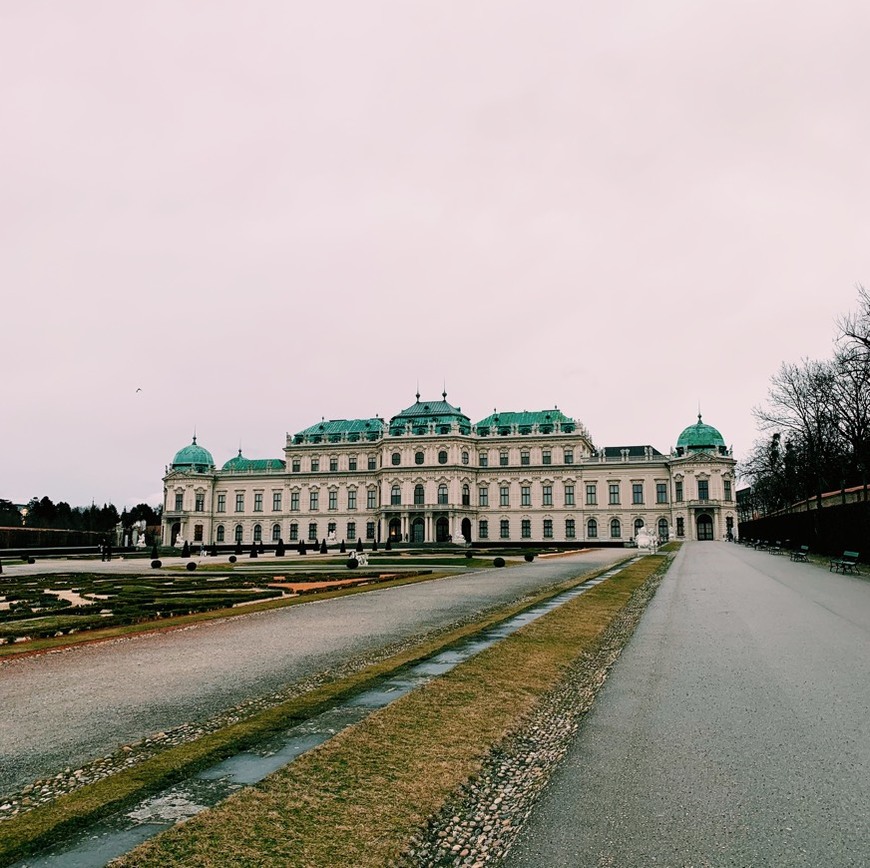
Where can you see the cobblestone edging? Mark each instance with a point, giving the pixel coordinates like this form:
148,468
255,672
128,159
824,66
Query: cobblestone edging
480,824
46,790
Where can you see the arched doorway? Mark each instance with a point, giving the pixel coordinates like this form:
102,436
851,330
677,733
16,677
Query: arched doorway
176,530
418,530
395,530
705,527
466,529
663,530
442,529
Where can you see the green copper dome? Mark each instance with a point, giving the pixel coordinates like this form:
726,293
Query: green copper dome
193,457
429,417
700,438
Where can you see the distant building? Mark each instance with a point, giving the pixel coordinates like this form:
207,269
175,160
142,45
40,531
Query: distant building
431,475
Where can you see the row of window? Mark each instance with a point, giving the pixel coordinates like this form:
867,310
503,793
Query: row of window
613,496
331,530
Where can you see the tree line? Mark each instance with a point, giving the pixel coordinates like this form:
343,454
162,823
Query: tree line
817,423
42,512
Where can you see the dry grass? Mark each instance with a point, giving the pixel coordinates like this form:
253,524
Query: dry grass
358,799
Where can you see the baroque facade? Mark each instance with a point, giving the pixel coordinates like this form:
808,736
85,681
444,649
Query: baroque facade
430,475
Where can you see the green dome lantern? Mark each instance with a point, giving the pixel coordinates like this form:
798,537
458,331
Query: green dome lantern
700,438
194,458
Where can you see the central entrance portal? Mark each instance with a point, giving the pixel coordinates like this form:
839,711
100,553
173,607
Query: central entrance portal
705,527
442,529
418,531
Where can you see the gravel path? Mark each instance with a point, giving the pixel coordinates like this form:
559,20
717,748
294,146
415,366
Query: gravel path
64,709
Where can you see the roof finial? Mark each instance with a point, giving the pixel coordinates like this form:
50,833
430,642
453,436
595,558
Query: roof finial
444,393
194,435
418,390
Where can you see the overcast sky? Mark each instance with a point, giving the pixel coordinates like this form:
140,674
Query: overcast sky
266,212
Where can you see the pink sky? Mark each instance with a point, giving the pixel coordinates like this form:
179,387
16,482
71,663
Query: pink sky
263,213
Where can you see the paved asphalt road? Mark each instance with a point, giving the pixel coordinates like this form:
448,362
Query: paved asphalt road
733,731
65,709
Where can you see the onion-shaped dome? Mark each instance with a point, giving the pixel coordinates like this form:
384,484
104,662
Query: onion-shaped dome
193,457
700,438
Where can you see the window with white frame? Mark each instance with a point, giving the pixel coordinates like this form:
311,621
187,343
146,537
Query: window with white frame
569,494
504,529
547,495
548,528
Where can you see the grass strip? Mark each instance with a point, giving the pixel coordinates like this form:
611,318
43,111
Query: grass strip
41,826
358,799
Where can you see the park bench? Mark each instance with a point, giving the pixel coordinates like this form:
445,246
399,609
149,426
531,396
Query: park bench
801,554
776,548
762,545
848,562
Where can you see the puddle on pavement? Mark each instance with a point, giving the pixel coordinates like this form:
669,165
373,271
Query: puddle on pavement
120,833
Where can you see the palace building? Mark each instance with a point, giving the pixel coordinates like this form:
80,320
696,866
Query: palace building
431,475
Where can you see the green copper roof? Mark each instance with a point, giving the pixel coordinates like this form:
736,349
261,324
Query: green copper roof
526,422
427,417
700,437
335,430
240,464
193,457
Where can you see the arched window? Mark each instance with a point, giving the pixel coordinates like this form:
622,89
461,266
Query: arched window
219,533
418,458
396,458
638,524
258,533
442,457
591,529
239,533
615,528
276,532
442,495
418,495
663,530
466,495
396,496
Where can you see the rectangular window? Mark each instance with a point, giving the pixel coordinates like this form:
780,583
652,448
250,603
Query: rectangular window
727,484
395,496
681,531
222,502
570,531
313,500
373,462
483,495
569,456
296,465
315,465
637,492
504,495
703,489
661,492
312,531
548,528
351,463
258,501
197,533
372,498
548,495
351,498
503,458
569,495
546,457
333,500
333,465
240,501
526,528
524,457
525,495
678,491
276,501
351,530
294,501
199,502
613,489
591,494
483,529
370,530
504,529
483,459
179,501
294,531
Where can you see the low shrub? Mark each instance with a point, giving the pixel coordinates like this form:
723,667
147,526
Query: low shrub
529,556
498,562
190,566
232,559
352,563
156,564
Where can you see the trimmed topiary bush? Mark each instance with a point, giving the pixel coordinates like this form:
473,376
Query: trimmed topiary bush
352,563
469,553
342,548
156,564
323,549
389,546
31,560
498,562
529,556
190,566
232,559
359,545
185,549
